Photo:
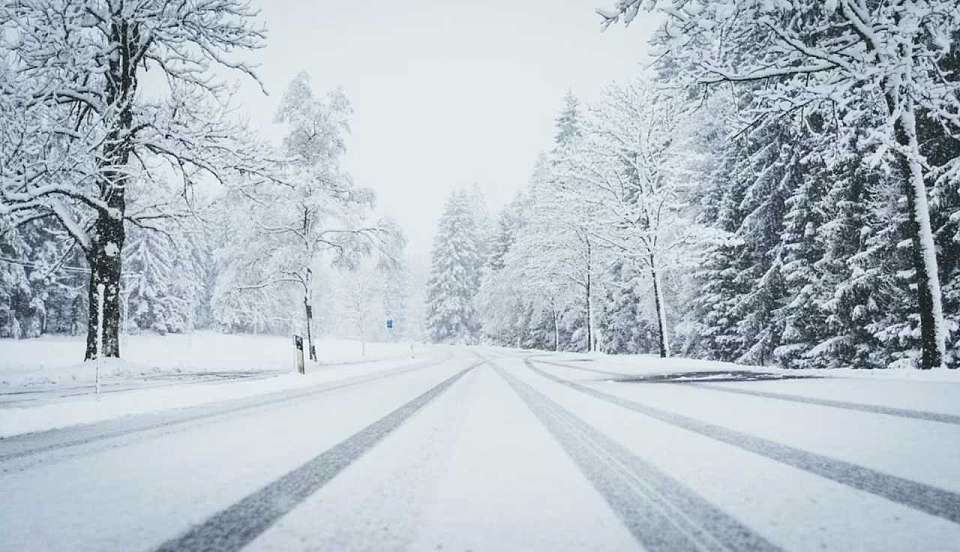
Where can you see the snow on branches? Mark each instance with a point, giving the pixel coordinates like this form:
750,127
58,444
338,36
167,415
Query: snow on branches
82,132
835,61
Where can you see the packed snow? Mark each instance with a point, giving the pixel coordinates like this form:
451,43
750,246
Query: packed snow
482,448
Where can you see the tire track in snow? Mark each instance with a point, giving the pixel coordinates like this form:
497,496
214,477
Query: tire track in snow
919,496
593,370
870,408
237,525
50,395
859,407
17,451
660,512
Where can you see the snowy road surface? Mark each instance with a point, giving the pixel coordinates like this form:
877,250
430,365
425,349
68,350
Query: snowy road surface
483,449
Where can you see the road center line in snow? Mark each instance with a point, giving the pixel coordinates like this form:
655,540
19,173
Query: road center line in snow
239,524
859,407
19,447
919,496
660,512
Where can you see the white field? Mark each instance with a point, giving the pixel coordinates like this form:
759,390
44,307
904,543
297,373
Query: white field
43,385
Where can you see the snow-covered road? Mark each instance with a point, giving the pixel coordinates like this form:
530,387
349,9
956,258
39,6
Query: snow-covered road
488,449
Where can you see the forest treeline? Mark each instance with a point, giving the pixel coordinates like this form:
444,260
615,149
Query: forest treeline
243,257
132,203
780,187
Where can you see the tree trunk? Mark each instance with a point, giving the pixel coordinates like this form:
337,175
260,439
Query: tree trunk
589,299
104,253
556,331
929,298
661,314
589,320
105,268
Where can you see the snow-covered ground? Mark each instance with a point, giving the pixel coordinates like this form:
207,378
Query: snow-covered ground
493,449
653,364
42,386
56,359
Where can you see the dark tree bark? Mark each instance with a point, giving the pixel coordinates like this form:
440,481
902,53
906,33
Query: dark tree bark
661,319
104,253
929,299
105,269
901,107
928,288
556,330
589,318
589,293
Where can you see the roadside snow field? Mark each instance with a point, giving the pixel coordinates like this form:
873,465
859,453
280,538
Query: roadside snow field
42,386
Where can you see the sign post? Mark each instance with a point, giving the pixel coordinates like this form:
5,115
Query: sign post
298,346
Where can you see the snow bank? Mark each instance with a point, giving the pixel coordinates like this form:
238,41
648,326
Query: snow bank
56,359
48,365
88,408
653,364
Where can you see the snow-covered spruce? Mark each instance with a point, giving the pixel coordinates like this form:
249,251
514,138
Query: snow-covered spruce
836,67
455,273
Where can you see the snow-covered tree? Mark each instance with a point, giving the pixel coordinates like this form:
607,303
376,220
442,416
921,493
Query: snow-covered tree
844,57
500,298
359,304
568,123
623,320
540,288
418,274
162,286
557,191
456,265
308,213
627,169
395,298
558,261
81,135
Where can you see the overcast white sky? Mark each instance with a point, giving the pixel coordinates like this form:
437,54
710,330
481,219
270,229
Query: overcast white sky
446,93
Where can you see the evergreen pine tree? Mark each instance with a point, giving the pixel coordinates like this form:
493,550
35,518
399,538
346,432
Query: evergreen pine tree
852,293
455,274
803,317
158,301
568,124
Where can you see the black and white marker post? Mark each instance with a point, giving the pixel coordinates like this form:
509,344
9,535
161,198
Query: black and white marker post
298,352
313,349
